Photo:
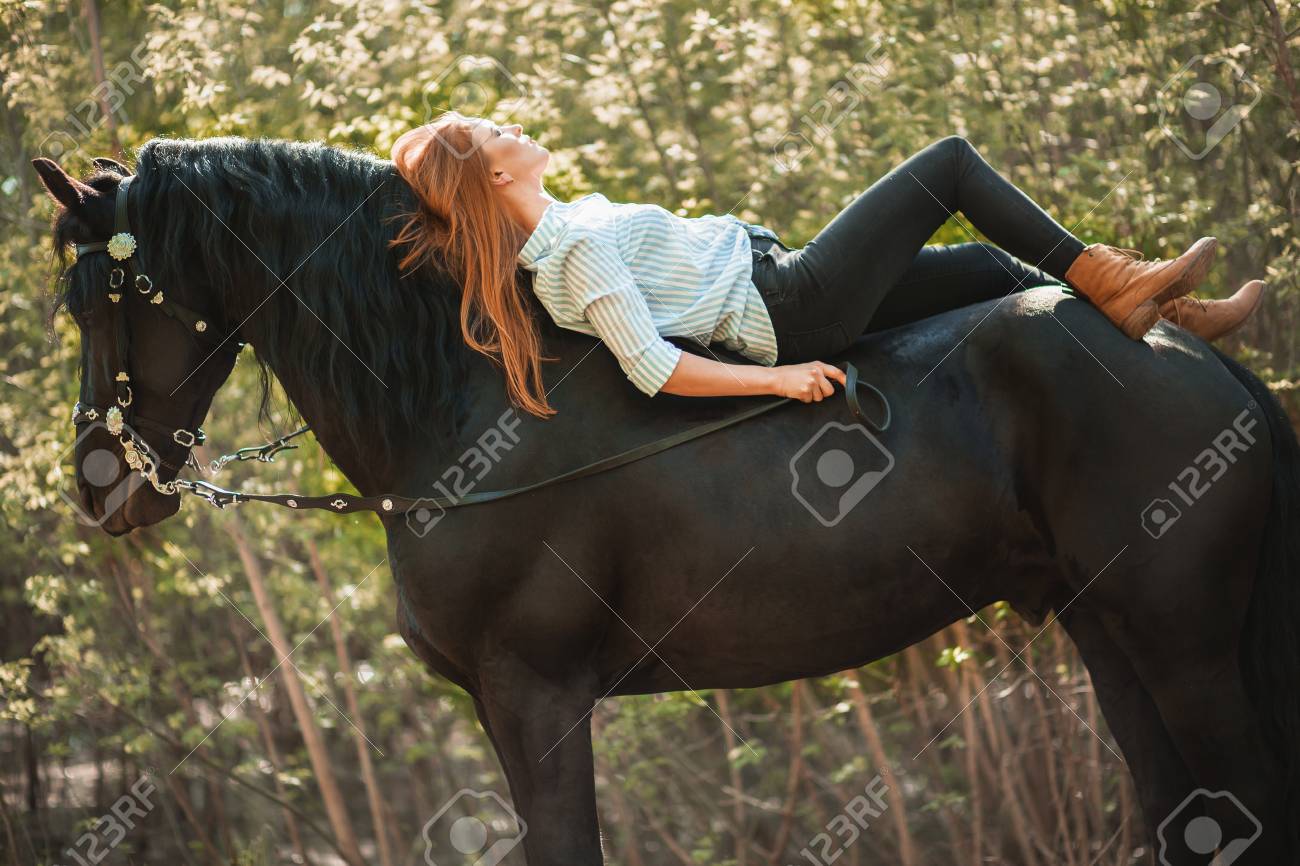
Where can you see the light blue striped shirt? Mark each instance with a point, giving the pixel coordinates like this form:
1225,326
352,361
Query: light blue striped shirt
632,274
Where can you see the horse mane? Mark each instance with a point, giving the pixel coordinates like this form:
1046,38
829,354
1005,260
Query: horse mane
381,353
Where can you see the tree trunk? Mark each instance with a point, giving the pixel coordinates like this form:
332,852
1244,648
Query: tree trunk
335,807
101,77
268,737
354,709
737,784
876,748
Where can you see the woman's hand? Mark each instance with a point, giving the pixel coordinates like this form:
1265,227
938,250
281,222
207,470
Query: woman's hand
810,383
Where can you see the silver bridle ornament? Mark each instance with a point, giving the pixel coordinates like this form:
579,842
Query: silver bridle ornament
138,454
121,246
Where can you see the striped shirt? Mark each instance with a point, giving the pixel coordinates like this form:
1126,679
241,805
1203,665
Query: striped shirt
632,274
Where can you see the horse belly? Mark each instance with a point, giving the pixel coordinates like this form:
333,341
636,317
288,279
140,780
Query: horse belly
760,591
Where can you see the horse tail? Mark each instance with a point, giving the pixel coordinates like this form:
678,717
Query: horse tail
1270,645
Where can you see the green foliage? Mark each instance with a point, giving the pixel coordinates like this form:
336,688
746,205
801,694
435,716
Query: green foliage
125,655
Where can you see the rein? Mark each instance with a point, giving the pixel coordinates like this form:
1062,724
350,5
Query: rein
119,419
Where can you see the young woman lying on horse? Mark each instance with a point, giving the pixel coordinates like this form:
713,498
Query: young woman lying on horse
633,274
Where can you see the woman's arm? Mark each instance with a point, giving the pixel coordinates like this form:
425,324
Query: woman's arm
700,377
604,290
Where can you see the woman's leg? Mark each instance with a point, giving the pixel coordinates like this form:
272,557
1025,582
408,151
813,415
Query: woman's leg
943,277
834,285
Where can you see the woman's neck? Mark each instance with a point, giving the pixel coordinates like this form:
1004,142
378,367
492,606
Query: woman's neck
526,206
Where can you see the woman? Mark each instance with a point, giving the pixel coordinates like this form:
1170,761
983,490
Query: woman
634,274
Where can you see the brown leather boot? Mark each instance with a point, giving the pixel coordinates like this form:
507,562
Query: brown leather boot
1211,320
1129,291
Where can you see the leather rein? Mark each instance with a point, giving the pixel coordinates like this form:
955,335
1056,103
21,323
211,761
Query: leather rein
121,419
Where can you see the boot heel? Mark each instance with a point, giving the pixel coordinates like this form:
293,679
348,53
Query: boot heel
1142,319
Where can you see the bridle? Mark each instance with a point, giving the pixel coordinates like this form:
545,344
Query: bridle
121,418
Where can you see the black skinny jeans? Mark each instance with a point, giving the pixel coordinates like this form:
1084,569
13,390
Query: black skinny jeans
869,268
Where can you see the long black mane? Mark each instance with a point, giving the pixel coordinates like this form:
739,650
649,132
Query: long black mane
383,353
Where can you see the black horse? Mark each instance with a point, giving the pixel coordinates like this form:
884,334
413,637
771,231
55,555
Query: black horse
1145,493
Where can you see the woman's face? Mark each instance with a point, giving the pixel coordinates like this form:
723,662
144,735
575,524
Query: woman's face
508,150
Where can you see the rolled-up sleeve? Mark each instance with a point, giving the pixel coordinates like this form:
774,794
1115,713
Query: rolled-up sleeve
603,288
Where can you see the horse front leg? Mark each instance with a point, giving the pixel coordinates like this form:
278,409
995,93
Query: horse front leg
542,734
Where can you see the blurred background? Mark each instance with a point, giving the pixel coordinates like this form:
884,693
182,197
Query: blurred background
146,715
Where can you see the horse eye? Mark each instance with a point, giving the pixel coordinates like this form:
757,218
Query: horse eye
81,315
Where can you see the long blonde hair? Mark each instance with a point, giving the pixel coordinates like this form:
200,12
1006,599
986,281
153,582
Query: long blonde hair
458,225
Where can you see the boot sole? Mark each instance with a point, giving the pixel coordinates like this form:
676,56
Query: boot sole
1192,274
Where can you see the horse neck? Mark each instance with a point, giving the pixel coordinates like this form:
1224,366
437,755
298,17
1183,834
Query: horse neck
370,473
413,466
409,465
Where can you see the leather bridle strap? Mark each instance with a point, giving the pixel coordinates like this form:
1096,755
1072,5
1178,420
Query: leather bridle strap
120,221
344,503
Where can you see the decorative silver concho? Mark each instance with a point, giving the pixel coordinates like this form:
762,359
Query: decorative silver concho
121,246
113,420
132,455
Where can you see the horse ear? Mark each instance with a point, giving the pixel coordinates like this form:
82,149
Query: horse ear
67,191
111,165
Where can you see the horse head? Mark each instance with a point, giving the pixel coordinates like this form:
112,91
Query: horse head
153,351
214,243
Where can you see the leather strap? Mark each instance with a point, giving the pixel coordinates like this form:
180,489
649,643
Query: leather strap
345,503
120,223
851,394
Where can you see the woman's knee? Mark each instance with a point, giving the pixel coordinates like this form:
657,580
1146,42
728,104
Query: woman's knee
955,143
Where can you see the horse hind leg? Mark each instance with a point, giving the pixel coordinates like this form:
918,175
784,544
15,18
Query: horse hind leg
1187,659
1214,727
1160,776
